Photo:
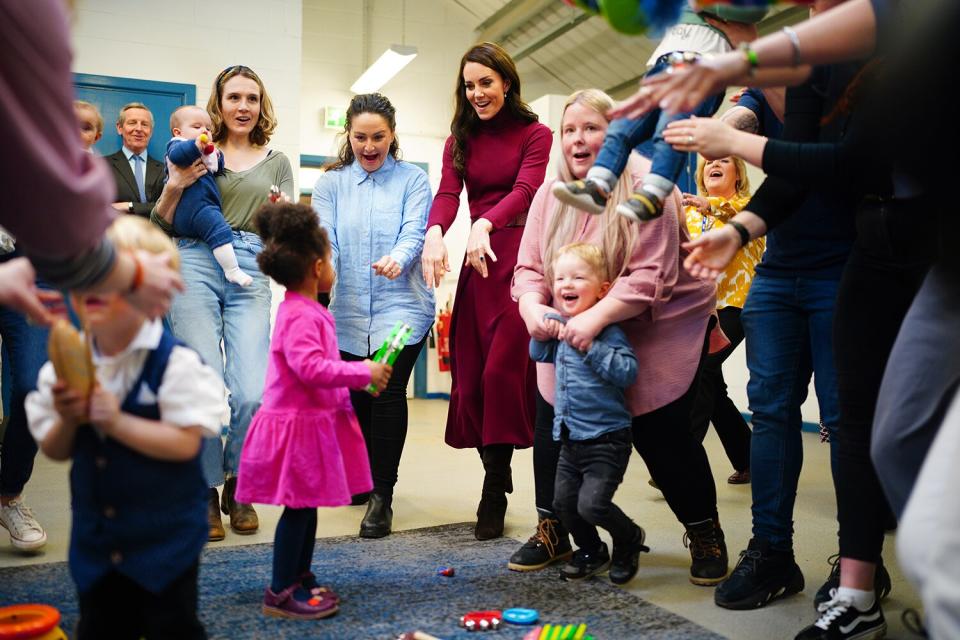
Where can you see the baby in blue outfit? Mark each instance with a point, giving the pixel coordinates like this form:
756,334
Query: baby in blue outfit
200,213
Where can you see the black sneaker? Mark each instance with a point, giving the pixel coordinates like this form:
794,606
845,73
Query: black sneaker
840,620
708,553
587,195
881,581
626,558
762,575
641,206
583,565
548,545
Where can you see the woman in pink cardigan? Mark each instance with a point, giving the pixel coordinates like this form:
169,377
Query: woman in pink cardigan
666,314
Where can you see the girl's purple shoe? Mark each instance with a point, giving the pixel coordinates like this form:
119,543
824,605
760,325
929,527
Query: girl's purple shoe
309,582
284,605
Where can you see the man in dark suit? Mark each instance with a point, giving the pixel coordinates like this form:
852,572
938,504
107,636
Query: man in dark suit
139,178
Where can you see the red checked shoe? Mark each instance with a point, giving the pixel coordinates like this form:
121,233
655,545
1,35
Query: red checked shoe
284,605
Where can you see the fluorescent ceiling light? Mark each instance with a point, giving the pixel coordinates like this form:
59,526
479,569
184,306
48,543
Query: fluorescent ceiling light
387,65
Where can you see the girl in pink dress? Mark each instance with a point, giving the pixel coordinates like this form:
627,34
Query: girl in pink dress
304,448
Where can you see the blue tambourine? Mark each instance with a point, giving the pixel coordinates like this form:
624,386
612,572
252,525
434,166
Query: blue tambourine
521,616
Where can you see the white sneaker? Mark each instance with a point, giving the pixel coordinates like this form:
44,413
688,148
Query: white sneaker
26,534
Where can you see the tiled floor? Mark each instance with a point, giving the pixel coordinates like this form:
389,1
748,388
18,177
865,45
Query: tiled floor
441,485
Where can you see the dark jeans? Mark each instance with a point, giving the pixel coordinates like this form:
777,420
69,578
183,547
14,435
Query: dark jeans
588,474
714,405
383,419
624,135
663,438
788,324
293,545
24,353
875,292
120,609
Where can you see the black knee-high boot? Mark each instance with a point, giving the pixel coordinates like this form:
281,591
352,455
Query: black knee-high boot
497,482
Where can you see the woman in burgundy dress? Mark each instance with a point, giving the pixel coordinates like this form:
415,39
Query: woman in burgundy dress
499,150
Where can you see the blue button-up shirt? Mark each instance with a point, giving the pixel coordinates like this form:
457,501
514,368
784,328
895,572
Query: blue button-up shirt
590,398
368,216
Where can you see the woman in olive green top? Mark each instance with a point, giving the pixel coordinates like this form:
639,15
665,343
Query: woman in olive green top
212,308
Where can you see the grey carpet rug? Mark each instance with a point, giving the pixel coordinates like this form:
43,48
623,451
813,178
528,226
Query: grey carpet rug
389,586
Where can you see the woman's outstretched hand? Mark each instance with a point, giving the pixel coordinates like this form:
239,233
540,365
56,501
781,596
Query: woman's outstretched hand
712,252
434,258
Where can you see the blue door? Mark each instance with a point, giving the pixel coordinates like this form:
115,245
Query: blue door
110,93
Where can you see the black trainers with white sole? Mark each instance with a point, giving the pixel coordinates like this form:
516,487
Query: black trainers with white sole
841,620
762,575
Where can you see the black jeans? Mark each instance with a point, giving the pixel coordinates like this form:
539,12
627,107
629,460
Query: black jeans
881,278
383,419
588,474
118,608
663,438
712,403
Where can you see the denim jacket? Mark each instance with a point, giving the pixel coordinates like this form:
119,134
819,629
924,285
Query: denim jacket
590,397
367,216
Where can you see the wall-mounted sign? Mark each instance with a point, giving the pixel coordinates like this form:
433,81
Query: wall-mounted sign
334,117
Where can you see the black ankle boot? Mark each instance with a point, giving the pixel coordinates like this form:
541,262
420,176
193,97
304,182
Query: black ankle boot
490,515
379,517
708,552
497,482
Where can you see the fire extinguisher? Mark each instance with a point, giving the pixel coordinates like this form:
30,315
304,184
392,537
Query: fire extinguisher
443,336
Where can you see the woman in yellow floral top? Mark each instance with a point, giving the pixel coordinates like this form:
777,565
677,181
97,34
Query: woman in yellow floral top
724,190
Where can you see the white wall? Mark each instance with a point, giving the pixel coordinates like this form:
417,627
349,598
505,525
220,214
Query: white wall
191,41
335,44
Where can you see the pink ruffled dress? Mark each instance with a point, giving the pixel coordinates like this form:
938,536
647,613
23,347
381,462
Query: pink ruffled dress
304,447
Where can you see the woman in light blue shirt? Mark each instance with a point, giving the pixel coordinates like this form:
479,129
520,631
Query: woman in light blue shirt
374,207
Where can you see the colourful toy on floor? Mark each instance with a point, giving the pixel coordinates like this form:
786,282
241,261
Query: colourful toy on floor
30,622
447,572
559,632
517,615
391,347
481,620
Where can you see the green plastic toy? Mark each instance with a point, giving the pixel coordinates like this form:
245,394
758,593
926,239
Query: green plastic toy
391,347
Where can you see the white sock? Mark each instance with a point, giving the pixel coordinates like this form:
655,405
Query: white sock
227,260
655,190
604,177
861,599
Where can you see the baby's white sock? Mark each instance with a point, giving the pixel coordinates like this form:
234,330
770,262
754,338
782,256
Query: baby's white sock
227,260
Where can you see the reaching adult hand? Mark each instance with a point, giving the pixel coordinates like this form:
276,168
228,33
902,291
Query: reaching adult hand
581,329
709,137
636,106
478,246
532,312
387,267
712,252
160,282
18,290
702,204
683,89
434,257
